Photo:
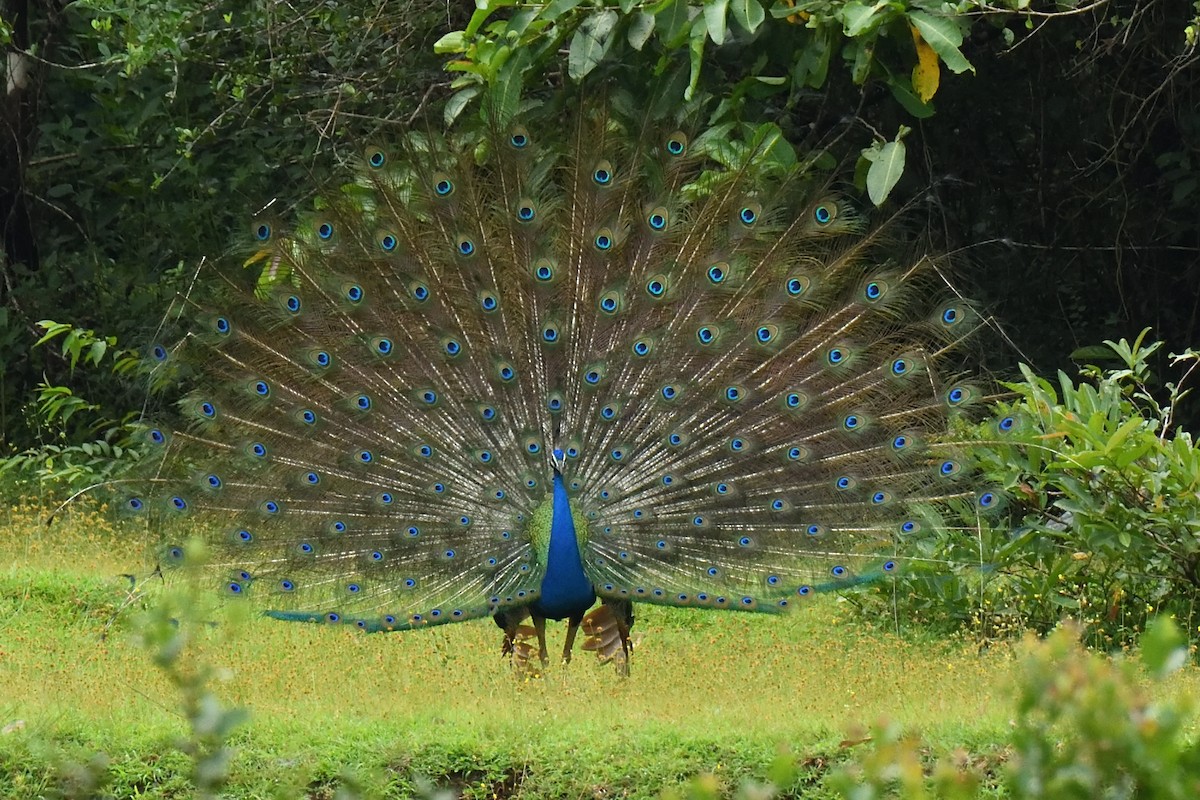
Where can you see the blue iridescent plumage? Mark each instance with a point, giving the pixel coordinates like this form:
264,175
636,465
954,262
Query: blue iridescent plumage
514,369
565,589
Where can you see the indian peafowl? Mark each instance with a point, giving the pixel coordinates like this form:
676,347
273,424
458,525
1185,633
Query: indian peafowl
593,352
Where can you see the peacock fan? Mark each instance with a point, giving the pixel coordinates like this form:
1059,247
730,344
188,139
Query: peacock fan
537,364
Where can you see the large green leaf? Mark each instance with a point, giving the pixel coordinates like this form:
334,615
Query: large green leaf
749,14
811,65
559,7
945,37
640,29
906,97
715,12
520,21
887,165
671,19
858,18
590,43
483,10
452,42
458,102
699,35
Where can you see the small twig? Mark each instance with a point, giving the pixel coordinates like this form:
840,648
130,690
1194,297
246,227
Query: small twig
32,57
1029,12
421,105
74,155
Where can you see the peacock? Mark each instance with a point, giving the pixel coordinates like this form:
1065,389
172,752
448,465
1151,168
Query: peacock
594,350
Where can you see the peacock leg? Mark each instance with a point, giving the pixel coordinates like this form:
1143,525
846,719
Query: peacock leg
510,622
539,624
623,612
517,640
510,633
572,629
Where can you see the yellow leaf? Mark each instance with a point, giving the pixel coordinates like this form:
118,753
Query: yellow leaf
926,75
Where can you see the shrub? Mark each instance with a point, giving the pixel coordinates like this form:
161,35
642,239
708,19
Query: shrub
1104,519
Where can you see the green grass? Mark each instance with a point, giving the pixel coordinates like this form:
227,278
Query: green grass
709,692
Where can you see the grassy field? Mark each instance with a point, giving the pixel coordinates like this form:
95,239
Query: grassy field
709,693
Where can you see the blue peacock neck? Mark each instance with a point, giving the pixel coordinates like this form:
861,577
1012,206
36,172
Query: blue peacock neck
566,590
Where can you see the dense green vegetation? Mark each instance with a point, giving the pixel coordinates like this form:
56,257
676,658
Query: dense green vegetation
107,692
1061,170
1103,493
1051,149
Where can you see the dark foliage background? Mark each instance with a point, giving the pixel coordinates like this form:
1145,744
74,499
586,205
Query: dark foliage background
138,137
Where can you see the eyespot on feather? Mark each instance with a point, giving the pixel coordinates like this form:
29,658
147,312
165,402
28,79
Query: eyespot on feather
518,138
657,219
603,173
676,144
442,185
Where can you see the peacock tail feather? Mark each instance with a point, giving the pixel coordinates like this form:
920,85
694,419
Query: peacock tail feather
591,351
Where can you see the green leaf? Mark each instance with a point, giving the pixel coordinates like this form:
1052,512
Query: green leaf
811,65
453,42
483,10
559,7
1117,440
699,35
945,37
887,165
672,20
1092,353
1128,455
1164,650
749,14
857,18
863,51
457,102
519,22
505,95
495,64
52,330
96,352
906,97
640,29
715,12
860,172
768,146
592,40
1183,190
